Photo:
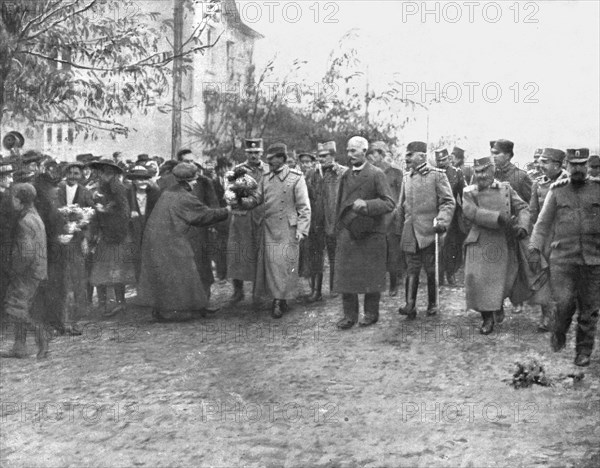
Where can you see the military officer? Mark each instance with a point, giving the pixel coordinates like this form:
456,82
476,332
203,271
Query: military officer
364,199
451,253
244,228
491,262
594,166
536,170
571,217
502,153
550,161
286,222
426,197
458,161
378,151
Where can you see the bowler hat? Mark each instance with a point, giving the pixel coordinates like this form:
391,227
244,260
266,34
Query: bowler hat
578,156
142,158
482,163
104,163
416,147
277,149
253,145
185,171
360,226
441,155
326,148
552,154
502,146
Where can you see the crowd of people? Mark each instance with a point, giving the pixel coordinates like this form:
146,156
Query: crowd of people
166,228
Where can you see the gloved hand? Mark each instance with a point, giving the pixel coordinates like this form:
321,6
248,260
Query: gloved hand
503,219
520,233
360,206
439,228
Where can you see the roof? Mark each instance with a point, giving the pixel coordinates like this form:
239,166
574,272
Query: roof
232,17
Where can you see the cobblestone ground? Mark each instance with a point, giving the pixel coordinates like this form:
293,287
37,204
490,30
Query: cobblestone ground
242,389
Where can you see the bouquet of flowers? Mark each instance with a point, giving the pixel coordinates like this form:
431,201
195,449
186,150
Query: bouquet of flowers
240,184
76,218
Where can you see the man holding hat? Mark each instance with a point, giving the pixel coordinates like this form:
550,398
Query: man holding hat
286,222
323,185
594,166
550,162
502,153
377,154
364,200
244,229
491,262
170,279
451,253
426,207
570,217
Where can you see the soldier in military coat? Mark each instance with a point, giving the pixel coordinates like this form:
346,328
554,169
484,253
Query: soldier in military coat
244,227
425,208
550,162
594,165
458,161
377,153
571,217
364,200
451,251
502,153
286,222
491,262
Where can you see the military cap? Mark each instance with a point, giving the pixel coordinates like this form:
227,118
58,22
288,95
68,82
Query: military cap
103,163
142,158
458,152
379,146
185,171
552,154
84,158
307,155
594,159
277,149
416,147
138,172
482,163
578,156
327,147
441,155
253,145
23,175
32,156
503,146
538,153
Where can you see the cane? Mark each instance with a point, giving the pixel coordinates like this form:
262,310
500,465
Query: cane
437,266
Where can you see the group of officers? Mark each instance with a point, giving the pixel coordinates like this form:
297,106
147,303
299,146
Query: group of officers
529,236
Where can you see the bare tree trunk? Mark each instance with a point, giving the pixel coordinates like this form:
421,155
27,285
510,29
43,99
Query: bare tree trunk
177,77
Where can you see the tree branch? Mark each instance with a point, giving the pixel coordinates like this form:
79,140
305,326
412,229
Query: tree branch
56,23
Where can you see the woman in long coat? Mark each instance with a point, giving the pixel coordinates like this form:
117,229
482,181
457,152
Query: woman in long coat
499,219
170,280
113,260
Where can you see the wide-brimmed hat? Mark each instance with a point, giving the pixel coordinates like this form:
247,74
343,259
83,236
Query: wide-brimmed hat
104,163
138,173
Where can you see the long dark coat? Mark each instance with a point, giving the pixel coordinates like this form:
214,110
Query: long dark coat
170,279
137,224
360,265
491,263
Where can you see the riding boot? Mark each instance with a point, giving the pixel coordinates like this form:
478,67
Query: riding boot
488,323
317,288
432,308
41,339
393,283
412,286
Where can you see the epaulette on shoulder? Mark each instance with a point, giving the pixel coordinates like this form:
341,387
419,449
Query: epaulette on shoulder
470,188
437,169
560,182
296,171
594,179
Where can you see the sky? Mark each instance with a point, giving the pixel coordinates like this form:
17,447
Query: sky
525,71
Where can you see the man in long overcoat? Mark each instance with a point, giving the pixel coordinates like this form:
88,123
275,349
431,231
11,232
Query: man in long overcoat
491,262
286,222
425,208
377,153
364,200
451,252
550,163
502,152
244,227
170,279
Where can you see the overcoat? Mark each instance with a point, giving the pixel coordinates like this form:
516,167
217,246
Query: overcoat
286,212
170,279
360,264
244,231
491,265
425,195
517,178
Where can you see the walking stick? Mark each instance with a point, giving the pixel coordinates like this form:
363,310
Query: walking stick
437,267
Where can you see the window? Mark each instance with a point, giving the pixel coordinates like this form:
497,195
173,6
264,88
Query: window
49,135
59,134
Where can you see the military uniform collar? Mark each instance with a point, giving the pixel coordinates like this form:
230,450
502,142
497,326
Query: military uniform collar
561,175
421,169
509,166
282,174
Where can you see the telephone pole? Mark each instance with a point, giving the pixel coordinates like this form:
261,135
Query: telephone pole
177,77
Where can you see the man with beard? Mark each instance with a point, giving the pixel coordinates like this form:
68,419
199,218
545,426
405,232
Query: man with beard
364,200
378,151
75,251
491,262
451,251
244,228
550,162
426,208
571,217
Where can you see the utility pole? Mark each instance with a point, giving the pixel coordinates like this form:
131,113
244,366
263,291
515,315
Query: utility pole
177,77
